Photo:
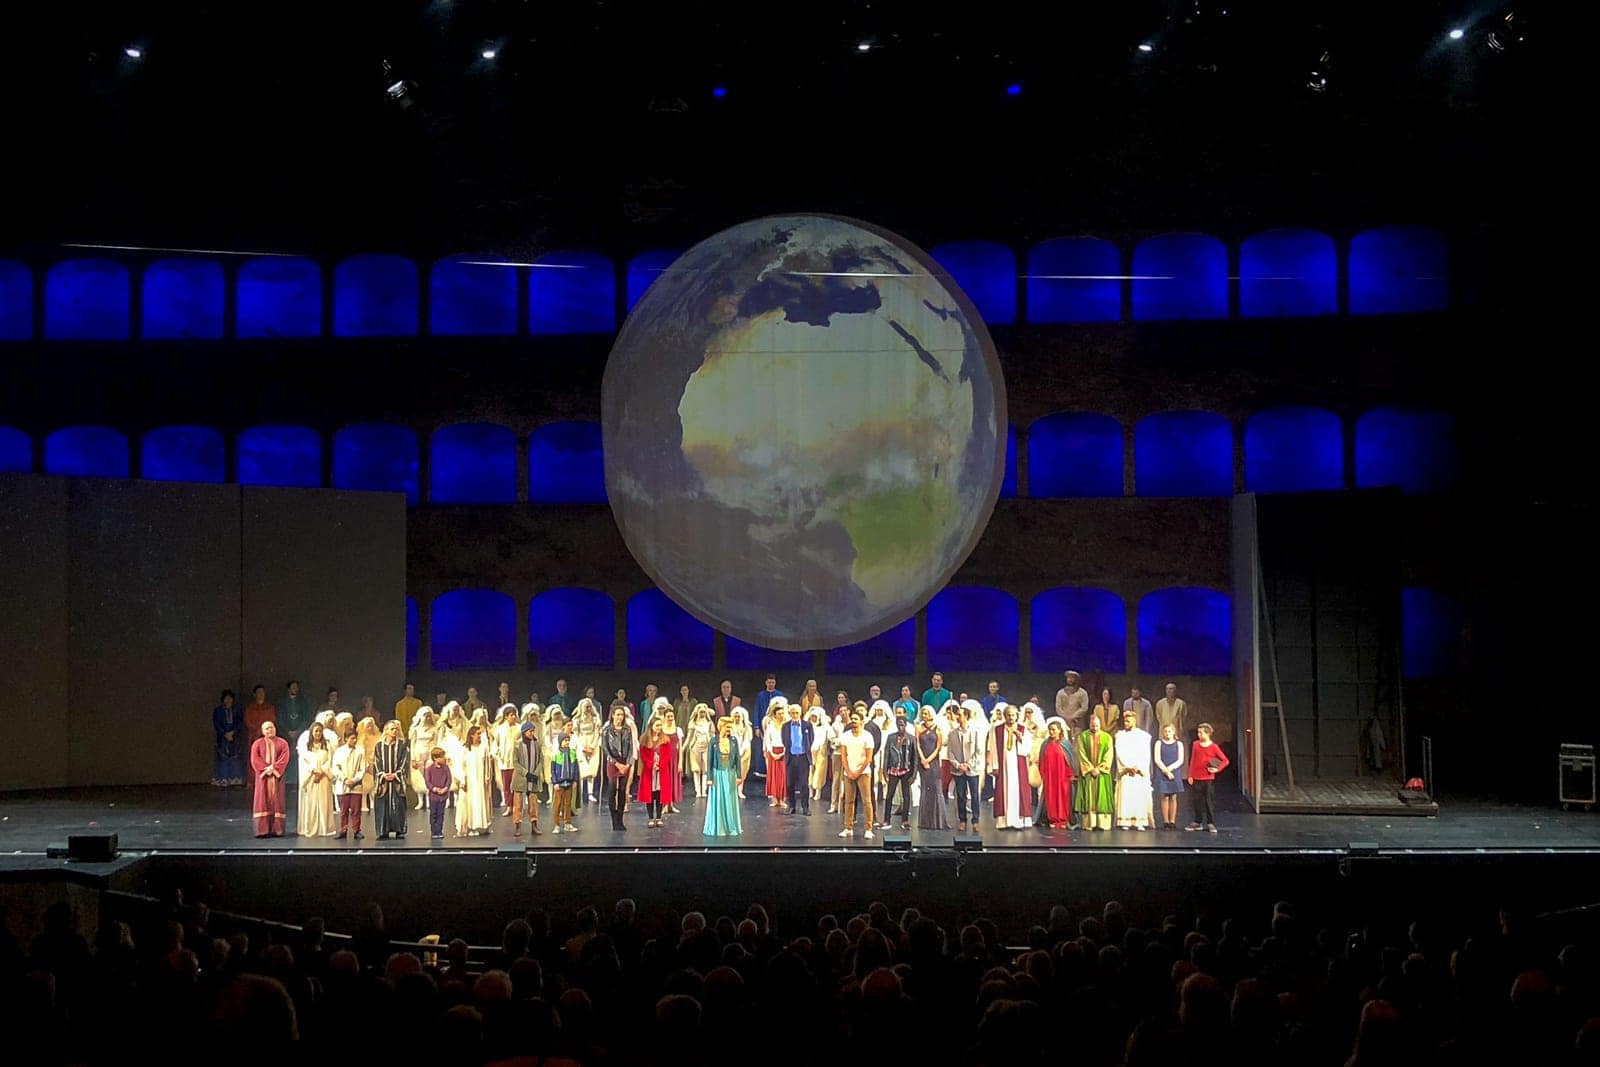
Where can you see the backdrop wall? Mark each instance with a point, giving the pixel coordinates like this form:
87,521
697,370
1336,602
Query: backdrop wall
132,604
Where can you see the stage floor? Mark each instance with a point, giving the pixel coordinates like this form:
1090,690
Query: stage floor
199,818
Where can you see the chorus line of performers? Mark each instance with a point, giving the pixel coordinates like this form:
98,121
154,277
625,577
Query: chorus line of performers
861,756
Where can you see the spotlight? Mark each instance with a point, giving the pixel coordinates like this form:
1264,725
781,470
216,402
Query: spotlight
1014,89
487,53
1147,47
1317,79
719,91
133,52
1457,33
864,46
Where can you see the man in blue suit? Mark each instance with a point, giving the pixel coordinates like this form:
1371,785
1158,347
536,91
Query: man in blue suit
797,738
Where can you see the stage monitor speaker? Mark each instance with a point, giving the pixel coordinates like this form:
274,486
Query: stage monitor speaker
511,852
969,843
1363,848
900,842
92,848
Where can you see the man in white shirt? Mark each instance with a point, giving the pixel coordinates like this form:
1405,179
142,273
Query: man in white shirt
349,764
855,759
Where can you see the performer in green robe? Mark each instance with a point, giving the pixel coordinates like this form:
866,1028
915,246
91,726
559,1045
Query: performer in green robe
1094,790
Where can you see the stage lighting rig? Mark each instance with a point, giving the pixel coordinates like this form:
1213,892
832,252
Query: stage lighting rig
400,91
1510,33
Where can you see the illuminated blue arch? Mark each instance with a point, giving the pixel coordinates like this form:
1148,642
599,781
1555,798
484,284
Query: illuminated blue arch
572,628
743,656
377,457
1396,269
16,301
1079,629
1293,450
1414,449
987,272
182,299
1075,453
572,292
1075,279
1432,625
1288,272
413,632
472,463
87,451
565,465
1185,630
1183,453
375,296
469,297
1180,276
472,628
973,628
16,451
662,636
280,455
183,454
645,268
86,300
278,296
893,652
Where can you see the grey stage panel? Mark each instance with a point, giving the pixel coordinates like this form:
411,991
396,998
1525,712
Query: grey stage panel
154,601
33,627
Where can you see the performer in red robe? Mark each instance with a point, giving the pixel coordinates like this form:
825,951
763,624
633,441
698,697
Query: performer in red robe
658,770
777,771
269,758
1008,762
1055,772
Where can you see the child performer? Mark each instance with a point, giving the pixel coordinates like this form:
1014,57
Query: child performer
438,781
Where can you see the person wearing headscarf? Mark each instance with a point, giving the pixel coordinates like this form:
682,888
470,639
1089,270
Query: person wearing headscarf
391,769
424,736
586,740
696,747
618,750
1134,799
727,783
773,718
454,720
227,722
1008,762
745,736
821,749
504,737
554,725
527,759
367,730
1055,776
880,723
269,758
929,743
315,815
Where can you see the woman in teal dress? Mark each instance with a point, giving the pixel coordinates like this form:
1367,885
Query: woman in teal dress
725,785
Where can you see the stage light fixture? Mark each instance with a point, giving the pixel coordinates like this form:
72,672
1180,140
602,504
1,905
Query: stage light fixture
1317,79
719,91
1511,33
1014,89
1146,47
488,53
1457,33
864,46
133,52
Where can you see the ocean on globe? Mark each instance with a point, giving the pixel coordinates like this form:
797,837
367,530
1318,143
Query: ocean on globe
804,424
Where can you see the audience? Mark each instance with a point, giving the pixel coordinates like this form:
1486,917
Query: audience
1110,988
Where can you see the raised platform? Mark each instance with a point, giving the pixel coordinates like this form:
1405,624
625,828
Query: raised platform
1356,796
201,841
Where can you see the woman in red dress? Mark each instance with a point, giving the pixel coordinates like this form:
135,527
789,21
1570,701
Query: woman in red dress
1055,773
772,742
658,769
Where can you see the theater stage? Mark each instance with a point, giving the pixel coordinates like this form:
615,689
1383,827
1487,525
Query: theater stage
202,840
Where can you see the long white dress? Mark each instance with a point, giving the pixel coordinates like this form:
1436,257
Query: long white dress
506,736
423,739
1134,801
316,817
472,802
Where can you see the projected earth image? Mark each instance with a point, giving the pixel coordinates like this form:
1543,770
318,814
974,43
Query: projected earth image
804,425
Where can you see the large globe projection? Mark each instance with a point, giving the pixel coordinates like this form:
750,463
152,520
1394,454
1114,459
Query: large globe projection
804,426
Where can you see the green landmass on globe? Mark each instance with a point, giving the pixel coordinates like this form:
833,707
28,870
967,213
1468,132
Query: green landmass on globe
804,430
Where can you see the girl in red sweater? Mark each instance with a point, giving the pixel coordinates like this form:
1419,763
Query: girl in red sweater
1206,761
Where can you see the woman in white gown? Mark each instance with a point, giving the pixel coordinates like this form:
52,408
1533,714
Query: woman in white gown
315,817
453,721
424,735
742,730
472,802
821,746
586,739
699,743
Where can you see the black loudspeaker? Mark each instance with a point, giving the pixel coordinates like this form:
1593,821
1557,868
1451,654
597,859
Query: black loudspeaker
512,852
969,843
900,842
92,848
1363,848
